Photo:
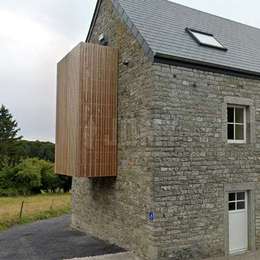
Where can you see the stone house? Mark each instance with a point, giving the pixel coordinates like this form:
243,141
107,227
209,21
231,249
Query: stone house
187,127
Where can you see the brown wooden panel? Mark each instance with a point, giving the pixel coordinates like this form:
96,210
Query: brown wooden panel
68,114
99,129
86,134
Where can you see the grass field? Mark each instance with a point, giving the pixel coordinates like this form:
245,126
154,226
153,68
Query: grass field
35,208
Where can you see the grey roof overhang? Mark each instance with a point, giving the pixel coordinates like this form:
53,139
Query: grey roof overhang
200,65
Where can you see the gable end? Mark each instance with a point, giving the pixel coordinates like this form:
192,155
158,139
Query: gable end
127,21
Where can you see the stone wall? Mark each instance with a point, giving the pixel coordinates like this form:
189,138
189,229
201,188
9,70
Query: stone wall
117,209
193,163
173,157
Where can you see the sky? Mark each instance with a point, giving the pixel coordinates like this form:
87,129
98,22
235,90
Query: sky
35,35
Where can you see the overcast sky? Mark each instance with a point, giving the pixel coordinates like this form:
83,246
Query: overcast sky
35,35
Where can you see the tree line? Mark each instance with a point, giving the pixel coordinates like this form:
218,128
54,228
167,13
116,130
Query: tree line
26,167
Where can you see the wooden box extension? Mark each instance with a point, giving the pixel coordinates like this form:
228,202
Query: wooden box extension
86,124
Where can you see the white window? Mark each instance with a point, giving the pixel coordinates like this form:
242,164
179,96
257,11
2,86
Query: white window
237,201
236,124
205,39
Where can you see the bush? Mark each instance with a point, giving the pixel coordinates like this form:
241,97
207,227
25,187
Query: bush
7,178
9,192
50,181
32,176
28,176
65,183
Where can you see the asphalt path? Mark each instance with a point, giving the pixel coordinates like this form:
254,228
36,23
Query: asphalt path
51,239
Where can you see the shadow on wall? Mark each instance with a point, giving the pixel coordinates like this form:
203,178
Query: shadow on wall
102,190
105,184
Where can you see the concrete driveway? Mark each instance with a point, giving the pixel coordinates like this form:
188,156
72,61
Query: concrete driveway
249,256
118,256
129,256
50,240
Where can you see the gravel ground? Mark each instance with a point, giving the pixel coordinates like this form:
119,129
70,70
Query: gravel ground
50,240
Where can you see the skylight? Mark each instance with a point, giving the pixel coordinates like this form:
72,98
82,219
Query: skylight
205,39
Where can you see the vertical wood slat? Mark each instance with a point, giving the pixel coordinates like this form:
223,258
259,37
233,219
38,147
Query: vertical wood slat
86,125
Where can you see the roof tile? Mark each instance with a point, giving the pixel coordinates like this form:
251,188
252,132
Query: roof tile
162,24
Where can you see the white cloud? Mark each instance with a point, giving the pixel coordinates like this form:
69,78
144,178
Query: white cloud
27,40
240,11
30,51
34,36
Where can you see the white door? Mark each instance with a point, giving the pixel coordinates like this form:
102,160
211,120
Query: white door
238,223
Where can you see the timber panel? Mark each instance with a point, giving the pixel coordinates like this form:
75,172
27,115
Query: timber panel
99,150
67,157
86,134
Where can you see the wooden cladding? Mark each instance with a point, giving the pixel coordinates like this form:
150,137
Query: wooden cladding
86,127
68,121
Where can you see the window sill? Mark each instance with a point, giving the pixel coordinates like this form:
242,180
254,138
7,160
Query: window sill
236,142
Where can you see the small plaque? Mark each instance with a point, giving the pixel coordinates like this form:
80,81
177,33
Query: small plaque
151,216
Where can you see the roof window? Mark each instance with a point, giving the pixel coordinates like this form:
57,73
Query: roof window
205,39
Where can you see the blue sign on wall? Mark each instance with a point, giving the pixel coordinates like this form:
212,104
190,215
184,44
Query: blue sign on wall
151,216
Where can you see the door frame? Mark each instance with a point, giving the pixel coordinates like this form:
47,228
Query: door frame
250,188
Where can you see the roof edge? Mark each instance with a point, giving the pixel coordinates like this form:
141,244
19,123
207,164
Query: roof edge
93,21
127,21
206,66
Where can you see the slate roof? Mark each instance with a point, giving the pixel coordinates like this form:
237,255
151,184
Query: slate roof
160,25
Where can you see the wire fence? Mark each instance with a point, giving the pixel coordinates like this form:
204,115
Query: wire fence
26,203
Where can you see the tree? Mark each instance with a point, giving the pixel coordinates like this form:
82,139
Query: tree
8,137
7,182
36,149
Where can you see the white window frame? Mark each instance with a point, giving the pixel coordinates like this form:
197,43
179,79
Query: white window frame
213,43
237,200
230,141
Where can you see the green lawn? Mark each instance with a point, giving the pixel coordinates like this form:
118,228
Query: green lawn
35,208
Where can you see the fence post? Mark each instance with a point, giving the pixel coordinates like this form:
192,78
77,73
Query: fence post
21,211
51,208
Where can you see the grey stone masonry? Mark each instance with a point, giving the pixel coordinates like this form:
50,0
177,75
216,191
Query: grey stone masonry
193,162
173,156
117,209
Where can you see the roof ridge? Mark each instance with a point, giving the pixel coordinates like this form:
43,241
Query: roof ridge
127,21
